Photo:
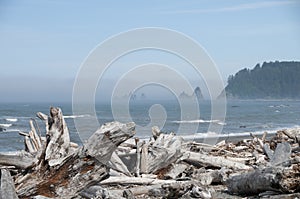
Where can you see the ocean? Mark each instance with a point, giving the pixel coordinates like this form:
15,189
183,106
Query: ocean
242,117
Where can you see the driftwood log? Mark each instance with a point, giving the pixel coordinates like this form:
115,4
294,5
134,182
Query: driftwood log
7,187
262,180
218,162
57,134
112,164
275,178
57,171
20,160
164,151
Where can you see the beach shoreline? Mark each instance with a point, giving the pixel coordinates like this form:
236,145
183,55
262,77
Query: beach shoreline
166,165
231,137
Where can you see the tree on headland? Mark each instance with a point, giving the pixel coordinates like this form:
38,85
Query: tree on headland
271,80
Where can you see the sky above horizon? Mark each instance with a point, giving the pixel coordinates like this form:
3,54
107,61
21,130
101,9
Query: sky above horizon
43,43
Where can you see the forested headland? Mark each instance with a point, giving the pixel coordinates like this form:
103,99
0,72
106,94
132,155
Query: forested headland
272,80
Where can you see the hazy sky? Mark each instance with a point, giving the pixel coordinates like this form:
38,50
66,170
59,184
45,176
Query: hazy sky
43,43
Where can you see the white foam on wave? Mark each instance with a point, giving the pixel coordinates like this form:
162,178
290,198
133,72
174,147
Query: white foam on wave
5,125
215,135
10,131
11,119
199,121
15,130
279,106
201,135
194,121
242,134
74,116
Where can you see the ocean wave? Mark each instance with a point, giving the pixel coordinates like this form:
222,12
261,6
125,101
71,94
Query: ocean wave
221,123
223,135
241,134
10,131
5,125
14,130
279,106
11,119
199,121
74,116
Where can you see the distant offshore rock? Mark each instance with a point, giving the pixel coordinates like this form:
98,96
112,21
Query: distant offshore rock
197,93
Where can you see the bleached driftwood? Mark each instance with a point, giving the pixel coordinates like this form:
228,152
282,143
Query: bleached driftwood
290,135
281,196
139,190
261,180
195,146
171,190
28,145
97,191
20,160
208,160
87,165
57,134
207,177
138,157
35,138
134,180
7,187
144,158
281,154
163,152
107,138
155,132
268,151
32,141
175,170
117,164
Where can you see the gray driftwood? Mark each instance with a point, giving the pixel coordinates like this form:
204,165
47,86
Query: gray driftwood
211,176
57,134
281,155
107,138
144,158
20,160
163,152
124,180
117,164
262,180
175,170
7,187
67,173
35,138
138,157
76,171
155,132
209,160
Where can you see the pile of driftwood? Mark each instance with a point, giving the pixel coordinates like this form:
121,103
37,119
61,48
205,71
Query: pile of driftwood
112,164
